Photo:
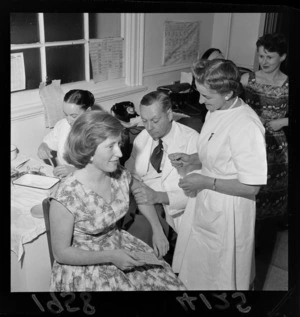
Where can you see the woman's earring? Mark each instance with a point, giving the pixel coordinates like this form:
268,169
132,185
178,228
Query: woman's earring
91,159
226,98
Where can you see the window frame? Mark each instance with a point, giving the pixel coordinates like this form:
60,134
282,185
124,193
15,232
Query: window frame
27,103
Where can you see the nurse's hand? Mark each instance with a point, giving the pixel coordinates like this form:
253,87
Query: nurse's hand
192,184
145,195
179,159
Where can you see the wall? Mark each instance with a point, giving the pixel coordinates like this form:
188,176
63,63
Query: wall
154,26
221,32
154,73
27,134
244,34
236,34
233,33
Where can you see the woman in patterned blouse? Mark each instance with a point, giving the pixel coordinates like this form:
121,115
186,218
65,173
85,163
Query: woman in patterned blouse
91,253
266,91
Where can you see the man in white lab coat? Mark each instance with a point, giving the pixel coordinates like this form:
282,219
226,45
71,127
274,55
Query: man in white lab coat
159,184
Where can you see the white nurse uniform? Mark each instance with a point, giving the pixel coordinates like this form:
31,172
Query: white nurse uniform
215,244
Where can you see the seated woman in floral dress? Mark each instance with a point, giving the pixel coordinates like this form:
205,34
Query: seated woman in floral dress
91,253
267,92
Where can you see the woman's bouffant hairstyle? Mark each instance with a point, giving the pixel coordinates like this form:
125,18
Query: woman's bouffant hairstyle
273,42
82,98
220,75
157,96
88,131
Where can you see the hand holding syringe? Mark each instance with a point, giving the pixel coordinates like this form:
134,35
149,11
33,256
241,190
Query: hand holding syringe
179,159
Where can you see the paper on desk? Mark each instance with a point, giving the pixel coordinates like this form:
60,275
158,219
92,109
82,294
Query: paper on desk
24,227
52,97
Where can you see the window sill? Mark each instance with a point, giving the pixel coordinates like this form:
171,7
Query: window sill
28,104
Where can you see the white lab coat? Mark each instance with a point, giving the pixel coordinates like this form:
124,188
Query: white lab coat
57,137
180,139
215,244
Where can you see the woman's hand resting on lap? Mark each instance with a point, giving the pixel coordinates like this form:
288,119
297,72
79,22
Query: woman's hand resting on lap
160,243
124,259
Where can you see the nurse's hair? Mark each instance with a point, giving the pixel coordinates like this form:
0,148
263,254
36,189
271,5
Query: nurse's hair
220,75
82,98
88,131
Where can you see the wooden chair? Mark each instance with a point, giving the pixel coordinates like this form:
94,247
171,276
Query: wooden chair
46,208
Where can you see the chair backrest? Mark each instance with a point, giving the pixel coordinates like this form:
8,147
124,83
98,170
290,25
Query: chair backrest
46,208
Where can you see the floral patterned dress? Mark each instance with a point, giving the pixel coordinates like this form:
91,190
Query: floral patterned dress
95,229
271,102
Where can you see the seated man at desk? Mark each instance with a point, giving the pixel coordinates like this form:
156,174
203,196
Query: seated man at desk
150,164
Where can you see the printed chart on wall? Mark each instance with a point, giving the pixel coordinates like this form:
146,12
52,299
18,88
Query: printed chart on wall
181,42
107,58
17,70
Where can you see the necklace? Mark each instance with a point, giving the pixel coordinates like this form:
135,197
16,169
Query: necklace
233,104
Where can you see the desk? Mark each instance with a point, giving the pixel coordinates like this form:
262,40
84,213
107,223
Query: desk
30,263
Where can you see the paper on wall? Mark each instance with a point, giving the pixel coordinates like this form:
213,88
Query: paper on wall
181,42
17,70
106,58
52,97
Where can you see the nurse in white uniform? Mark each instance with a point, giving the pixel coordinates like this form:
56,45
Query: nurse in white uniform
76,102
215,244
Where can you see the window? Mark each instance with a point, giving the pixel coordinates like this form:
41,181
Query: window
57,46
